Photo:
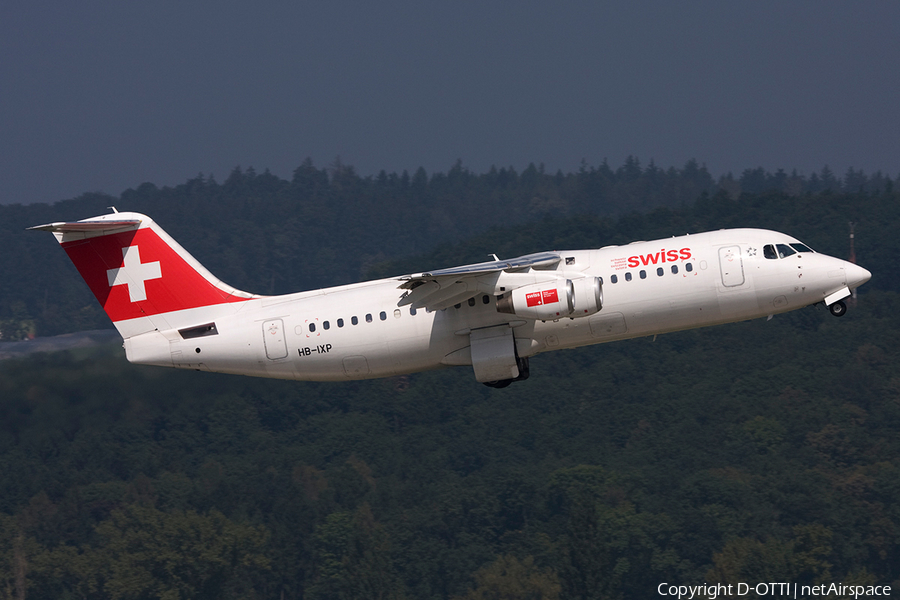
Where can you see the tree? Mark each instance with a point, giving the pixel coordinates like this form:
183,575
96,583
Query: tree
177,555
354,559
508,578
14,559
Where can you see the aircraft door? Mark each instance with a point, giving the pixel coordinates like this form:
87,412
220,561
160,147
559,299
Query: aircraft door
731,266
356,367
273,337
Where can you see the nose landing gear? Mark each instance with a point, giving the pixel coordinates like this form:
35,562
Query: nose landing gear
838,309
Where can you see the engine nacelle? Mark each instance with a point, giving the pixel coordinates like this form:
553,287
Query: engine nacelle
588,296
543,301
554,299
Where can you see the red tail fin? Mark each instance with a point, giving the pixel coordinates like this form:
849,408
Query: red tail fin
136,271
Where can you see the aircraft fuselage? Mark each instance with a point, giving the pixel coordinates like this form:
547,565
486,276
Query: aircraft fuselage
359,331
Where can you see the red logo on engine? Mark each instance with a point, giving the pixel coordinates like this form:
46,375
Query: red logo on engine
539,298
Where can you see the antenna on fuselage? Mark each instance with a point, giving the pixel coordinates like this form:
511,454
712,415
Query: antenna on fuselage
852,256
852,249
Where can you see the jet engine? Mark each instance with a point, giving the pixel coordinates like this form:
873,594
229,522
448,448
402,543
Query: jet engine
588,296
554,299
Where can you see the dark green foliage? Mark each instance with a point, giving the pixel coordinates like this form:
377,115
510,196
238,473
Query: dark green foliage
758,450
742,450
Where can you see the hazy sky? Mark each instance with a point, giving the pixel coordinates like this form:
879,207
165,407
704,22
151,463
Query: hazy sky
105,95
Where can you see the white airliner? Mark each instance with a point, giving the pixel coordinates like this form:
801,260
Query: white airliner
492,316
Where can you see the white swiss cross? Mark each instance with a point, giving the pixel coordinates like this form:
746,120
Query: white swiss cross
134,274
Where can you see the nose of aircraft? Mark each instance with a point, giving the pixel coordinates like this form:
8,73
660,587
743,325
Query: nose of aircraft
856,275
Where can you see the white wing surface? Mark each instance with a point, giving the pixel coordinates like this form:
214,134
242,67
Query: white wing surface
436,290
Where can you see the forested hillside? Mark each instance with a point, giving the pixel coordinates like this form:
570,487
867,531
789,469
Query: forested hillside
759,451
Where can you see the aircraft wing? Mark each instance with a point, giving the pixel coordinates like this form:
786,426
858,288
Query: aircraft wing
436,290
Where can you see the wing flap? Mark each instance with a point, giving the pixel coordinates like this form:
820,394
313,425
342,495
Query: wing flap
437,297
452,300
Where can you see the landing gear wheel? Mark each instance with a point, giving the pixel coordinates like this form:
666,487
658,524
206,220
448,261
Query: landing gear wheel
524,368
524,372
838,309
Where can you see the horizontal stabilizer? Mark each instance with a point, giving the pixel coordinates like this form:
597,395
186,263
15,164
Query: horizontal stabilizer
86,226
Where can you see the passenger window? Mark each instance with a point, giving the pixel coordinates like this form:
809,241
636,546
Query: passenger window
382,315
689,267
614,278
457,306
486,300
659,271
326,325
628,276
354,320
412,311
674,269
769,251
472,301
340,322
643,274
369,318
784,250
396,313
312,327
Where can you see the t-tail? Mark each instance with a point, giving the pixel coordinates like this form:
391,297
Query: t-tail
149,286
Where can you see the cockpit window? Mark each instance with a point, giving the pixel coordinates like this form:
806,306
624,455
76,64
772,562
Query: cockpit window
769,251
785,250
801,247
